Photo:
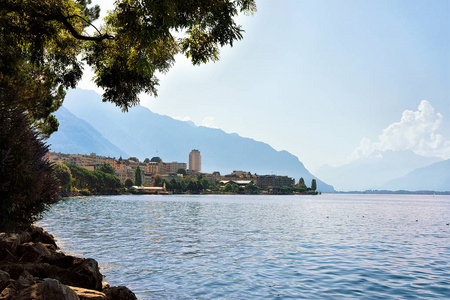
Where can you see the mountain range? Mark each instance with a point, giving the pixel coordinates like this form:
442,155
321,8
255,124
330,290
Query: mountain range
88,125
389,170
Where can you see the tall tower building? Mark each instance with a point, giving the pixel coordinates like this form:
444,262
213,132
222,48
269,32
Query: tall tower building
195,161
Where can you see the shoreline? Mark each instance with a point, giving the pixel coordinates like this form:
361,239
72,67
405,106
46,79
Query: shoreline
33,267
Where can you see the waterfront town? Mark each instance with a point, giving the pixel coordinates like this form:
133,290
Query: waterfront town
156,167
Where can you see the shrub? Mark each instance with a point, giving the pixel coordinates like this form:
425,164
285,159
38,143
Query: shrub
27,183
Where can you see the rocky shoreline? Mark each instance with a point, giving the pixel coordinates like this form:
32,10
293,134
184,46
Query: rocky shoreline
32,267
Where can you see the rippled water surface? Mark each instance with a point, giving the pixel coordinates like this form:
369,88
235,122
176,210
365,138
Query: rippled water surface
255,247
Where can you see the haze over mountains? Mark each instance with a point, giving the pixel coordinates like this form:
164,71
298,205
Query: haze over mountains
144,134
389,170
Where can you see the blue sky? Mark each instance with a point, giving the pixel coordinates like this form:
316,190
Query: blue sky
328,81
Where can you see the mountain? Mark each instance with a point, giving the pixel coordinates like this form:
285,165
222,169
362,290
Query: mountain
373,173
144,134
435,177
76,136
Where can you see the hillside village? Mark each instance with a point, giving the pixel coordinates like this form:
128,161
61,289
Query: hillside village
166,171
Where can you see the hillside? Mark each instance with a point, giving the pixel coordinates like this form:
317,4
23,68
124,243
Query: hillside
76,136
144,134
435,177
373,173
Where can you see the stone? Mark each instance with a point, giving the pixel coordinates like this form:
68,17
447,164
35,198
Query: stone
86,294
47,289
5,280
119,293
60,260
89,268
32,252
38,234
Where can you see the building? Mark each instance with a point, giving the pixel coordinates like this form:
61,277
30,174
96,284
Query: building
195,161
274,181
174,166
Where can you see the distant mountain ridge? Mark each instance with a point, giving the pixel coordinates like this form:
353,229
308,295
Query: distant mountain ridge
435,177
76,136
143,134
373,173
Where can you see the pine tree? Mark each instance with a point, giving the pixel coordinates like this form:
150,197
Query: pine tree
313,185
138,176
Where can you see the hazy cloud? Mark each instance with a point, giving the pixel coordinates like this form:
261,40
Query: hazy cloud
184,119
417,131
208,122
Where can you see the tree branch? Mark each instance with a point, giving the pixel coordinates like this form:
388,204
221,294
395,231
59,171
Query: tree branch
74,32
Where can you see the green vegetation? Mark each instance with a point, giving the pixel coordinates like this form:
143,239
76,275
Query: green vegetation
42,41
313,185
138,176
182,171
27,184
128,183
93,182
63,176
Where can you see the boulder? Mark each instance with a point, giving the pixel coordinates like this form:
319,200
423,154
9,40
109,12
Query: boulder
119,293
86,294
32,252
89,267
47,289
38,234
5,280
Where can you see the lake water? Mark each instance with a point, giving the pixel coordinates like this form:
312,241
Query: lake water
263,247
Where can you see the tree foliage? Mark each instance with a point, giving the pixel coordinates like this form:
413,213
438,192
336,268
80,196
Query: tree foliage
128,183
313,185
106,168
138,176
94,182
182,171
63,175
27,183
41,42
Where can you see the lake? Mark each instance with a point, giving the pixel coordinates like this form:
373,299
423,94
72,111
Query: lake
263,247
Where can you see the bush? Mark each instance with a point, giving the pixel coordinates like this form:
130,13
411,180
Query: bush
27,183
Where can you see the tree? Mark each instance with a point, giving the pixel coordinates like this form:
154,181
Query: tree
41,42
63,175
106,168
128,183
157,180
182,171
313,185
27,183
251,188
137,176
301,181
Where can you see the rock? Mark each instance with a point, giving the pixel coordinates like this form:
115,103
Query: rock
5,280
60,260
119,293
8,244
24,281
38,234
47,289
32,252
89,268
86,294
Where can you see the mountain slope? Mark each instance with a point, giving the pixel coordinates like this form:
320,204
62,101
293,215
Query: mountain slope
76,136
435,177
143,133
372,173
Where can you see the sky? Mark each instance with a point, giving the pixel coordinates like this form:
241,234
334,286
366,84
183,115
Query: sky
329,81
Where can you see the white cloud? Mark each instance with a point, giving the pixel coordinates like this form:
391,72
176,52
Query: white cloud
184,119
208,122
417,131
